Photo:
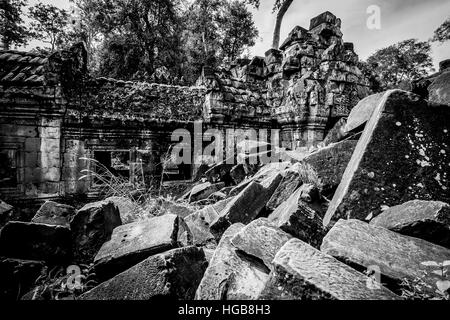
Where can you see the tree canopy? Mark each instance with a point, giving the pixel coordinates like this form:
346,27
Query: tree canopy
442,34
13,32
48,24
401,63
135,39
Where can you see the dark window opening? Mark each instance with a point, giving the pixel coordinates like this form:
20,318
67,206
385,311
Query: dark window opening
117,162
8,169
120,163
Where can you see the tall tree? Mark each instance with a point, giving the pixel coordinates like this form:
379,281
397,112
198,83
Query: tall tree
238,30
83,28
402,62
49,24
13,32
442,34
203,30
280,7
217,31
137,36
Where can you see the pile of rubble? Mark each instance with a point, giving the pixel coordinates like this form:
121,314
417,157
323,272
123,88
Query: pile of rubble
363,217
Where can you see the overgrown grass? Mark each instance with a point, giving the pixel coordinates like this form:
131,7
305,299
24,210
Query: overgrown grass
61,283
141,202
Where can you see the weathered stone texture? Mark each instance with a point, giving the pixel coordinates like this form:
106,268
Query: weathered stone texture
296,218
230,275
134,242
175,274
397,257
439,90
304,273
199,224
55,214
428,220
91,227
331,162
291,181
261,239
247,205
316,77
108,98
62,115
401,156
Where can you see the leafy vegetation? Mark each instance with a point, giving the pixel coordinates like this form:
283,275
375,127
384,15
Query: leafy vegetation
135,40
48,24
401,63
143,202
12,29
417,289
442,34
61,283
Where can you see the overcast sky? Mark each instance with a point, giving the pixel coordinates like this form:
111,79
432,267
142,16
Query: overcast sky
400,20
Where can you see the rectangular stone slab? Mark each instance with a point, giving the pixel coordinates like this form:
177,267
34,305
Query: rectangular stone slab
55,214
397,257
91,227
304,273
230,275
427,220
199,223
287,186
297,219
173,274
330,162
243,209
261,239
134,242
402,155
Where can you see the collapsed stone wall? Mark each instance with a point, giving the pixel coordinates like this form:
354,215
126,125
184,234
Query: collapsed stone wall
304,88
63,114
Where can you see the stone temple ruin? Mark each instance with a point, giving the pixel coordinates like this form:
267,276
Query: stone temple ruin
356,209
53,113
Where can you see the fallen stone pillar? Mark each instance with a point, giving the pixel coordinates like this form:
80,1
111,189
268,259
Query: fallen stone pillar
304,273
402,155
395,256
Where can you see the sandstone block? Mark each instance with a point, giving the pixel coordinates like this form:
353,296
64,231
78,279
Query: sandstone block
91,227
134,242
427,220
397,257
174,274
304,273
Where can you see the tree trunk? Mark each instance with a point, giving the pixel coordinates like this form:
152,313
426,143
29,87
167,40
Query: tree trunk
280,15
